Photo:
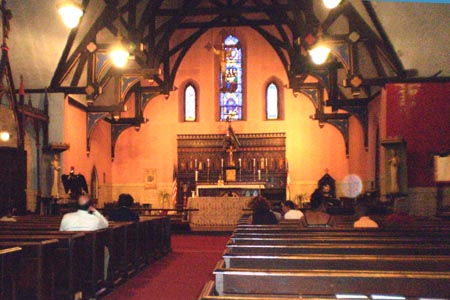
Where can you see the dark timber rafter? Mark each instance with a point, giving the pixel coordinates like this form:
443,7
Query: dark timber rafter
289,26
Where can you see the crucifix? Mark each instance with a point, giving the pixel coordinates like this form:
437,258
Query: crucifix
230,151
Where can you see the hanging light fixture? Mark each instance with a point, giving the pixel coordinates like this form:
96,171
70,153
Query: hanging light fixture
5,136
119,54
70,12
319,53
331,3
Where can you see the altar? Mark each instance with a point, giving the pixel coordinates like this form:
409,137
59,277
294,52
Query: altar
216,213
252,189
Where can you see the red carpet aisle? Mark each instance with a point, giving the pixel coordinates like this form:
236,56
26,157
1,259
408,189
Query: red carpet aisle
179,276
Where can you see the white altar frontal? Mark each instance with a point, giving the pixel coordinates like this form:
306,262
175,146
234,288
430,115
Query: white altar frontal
216,213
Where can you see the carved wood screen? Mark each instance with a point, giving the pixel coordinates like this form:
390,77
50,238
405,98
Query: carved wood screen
261,158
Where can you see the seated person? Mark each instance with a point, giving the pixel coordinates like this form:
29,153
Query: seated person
123,213
317,217
261,212
364,221
8,215
323,194
86,218
276,210
289,211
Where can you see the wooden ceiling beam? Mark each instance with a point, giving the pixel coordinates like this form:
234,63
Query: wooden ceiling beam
234,23
381,81
228,11
64,66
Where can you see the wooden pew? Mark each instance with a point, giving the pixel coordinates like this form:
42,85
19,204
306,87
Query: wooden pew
296,228
95,283
411,249
82,254
69,254
330,282
209,293
159,234
339,262
339,240
131,245
125,250
10,258
36,276
357,232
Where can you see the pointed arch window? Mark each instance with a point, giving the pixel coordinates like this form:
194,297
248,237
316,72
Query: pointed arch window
231,74
190,103
272,102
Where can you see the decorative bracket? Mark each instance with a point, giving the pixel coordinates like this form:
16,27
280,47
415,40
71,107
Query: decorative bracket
92,120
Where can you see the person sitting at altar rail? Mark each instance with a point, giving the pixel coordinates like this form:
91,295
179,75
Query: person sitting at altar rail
290,212
262,215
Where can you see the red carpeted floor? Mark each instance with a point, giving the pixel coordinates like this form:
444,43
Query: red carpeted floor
180,275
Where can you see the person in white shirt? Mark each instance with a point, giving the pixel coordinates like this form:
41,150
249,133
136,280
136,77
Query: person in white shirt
86,218
364,221
290,213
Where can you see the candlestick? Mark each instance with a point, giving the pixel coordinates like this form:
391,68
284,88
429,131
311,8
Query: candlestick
221,162
195,164
240,163
259,174
208,163
254,162
196,175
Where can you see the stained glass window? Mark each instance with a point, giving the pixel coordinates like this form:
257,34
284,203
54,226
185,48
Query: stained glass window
231,79
190,103
272,102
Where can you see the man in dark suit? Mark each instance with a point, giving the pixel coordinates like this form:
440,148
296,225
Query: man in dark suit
123,213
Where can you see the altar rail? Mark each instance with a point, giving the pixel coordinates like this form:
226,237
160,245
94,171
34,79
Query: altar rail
215,213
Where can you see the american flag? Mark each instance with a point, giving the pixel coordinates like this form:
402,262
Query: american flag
174,188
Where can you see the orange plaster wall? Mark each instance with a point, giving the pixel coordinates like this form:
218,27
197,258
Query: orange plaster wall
310,150
100,155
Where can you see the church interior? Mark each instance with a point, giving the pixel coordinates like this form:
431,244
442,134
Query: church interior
195,107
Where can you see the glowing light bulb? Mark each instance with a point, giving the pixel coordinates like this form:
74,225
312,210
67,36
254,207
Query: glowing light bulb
331,3
70,12
319,54
5,136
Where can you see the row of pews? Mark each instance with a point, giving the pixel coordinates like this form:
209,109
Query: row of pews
39,262
285,261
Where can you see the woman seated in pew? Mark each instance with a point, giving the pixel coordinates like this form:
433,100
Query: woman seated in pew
364,221
262,215
124,213
317,217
